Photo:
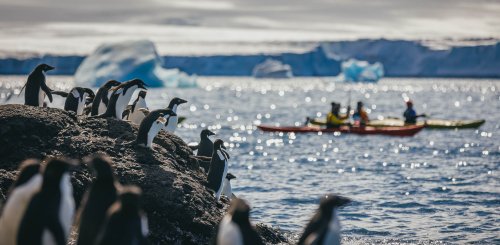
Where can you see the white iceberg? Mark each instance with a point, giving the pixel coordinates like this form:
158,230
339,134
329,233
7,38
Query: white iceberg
128,60
272,69
361,71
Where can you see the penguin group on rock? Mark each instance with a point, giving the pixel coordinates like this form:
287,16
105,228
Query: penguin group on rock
40,208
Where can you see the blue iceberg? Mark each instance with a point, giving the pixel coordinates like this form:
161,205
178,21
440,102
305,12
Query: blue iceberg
361,71
272,69
128,60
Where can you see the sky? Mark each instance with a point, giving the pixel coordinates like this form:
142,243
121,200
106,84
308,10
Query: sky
184,22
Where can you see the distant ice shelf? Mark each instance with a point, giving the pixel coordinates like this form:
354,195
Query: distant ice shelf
271,68
361,71
128,60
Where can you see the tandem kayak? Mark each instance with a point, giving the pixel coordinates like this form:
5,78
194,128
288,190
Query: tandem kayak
431,123
391,131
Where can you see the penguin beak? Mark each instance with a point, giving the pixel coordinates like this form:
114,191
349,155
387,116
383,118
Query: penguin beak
181,101
48,68
210,133
143,86
223,146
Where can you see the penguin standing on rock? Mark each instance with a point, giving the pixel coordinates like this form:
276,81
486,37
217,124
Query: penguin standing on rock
49,215
151,125
218,168
235,227
126,223
132,113
205,148
101,99
76,99
227,190
172,124
120,98
101,195
36,88
28,182
324,227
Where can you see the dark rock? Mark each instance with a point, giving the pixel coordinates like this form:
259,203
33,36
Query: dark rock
180,208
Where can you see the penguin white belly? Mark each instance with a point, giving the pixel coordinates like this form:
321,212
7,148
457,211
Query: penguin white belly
67,208
102,108
332,236
123,100
41,97
137,115
81,105
229,233
226,189
48,238
172,124
219,191
153,131
15,208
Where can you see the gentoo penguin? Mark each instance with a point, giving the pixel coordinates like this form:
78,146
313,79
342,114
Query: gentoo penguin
120,98
100,196
235,227
218,168
126,223
172,124
227,191
324,227
28,182
151,125
36,88
76,99
132,113
49,215
102,98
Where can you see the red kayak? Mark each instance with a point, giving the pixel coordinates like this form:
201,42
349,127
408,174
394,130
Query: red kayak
391,131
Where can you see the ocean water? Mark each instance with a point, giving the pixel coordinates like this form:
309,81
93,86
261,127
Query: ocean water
440,186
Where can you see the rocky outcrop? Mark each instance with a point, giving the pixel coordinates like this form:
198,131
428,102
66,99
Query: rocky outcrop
180,209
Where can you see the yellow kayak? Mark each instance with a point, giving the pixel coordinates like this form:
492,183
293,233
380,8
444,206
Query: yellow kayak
431,123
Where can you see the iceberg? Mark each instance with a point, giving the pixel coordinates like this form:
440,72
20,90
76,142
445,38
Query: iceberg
361,71
128,60
272,69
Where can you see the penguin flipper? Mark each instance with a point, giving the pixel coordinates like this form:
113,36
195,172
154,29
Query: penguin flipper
145,111
60,93
127,111
22,89
47,91
56,229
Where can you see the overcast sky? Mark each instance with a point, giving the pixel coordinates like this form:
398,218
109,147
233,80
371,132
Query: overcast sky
279,19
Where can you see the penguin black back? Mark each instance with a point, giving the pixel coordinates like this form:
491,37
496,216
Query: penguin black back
101,195
216,170
206,146
36,82
126,223
102,96
321,219
27,169
73,103
43,212
142,134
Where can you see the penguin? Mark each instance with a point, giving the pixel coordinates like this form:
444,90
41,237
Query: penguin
152,125
126,223
120,98
227,191
27,183
205,147
49,215
218,168
324,227
36,88
172,124
101,99
100,196
76,99
235,227
132,113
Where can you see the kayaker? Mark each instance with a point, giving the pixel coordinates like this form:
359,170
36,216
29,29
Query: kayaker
410,114
360,116
333,118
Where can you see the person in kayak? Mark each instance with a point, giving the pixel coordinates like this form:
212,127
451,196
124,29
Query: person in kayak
334,119
410,114
360,116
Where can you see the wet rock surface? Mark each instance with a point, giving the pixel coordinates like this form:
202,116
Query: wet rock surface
180,208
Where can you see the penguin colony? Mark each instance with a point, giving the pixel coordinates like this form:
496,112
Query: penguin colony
40,208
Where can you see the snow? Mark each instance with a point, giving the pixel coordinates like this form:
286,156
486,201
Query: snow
128,60
361,71
271,68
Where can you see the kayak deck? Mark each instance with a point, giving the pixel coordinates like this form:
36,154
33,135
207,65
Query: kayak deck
431,123
391,131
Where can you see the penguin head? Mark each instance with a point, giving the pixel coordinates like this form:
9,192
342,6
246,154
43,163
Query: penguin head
111,83
138,82
89,92
130,197
240,211
218,144
230,176
55,168
27,170
44,67
205,133
331,201
101,165
176,101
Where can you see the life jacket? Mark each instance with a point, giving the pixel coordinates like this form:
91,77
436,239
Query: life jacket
334,120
